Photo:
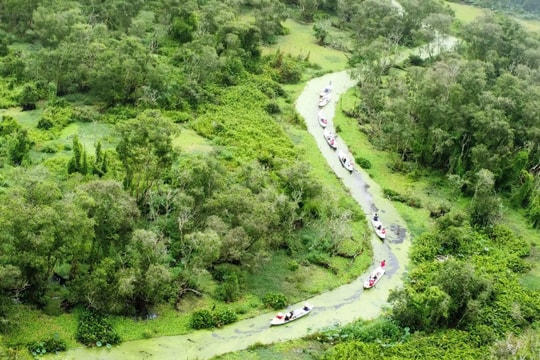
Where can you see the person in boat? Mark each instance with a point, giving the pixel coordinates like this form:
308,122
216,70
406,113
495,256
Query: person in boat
376,217
371,282
379,227
383,263
306,307
287,317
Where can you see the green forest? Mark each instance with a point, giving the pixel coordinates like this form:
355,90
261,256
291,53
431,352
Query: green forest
152,166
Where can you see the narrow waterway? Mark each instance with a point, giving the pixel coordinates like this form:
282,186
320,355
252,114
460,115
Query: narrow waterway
341,305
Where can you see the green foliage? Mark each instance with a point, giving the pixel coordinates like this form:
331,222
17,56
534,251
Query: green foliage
183,26
439,209
78,162
415,60
362,162
450,344
29,97
275,300
205,319
55,117
382,330
287,69
8,125
229,290
319,259
85,114
224,317
485,206
94,329
268,17
406,199
273,108
202,319
49,346
145,150
19,145
321,32
533,211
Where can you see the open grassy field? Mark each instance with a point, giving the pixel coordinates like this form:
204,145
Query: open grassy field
301,42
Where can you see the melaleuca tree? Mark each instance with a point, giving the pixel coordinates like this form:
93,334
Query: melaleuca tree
79,161
19,147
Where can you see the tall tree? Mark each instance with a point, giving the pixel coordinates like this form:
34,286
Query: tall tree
41,229
113,212
486,207
146,152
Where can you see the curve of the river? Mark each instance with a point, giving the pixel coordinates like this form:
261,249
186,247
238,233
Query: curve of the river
341,305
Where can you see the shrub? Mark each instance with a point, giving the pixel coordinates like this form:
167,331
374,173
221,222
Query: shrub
319,259
181,117
56,117
29,96
272,108
94,329
85,114
438,210
408,200
224,317
229,290
202,319
517,264
363,162
415,60
50,148
275,301
293,265
257,345
52,345
380,330
205,319
288,69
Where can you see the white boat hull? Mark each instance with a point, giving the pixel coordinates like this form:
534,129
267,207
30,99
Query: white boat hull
325,100
345,161
330,139
374,277
381,233
279,319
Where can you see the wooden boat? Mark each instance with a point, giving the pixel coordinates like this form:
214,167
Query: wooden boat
327,90
323,120
330,139
282,319
374,277
378,227
345,161
325,100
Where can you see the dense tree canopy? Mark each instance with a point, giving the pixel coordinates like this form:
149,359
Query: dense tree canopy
462,114
140,223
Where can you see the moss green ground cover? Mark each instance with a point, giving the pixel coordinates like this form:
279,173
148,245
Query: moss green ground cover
301,42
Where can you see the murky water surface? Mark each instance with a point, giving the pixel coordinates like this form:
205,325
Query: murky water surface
341,305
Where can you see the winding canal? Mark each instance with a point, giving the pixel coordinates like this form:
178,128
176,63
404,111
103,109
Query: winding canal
341,305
